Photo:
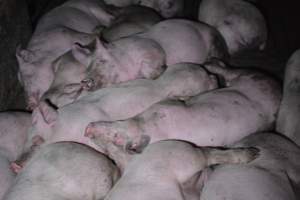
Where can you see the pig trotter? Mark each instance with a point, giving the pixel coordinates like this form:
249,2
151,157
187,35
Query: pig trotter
15,167
49,113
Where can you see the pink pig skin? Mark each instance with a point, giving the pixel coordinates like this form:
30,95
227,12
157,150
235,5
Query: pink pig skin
189,41
167,8
54,35
271,176
170,169
14,128
6,175
289,113
62,171
117,102
240,23
247,104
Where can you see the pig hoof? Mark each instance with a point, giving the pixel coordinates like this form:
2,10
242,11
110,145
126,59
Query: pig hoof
90,130
16,168
31,105
49,113
253,153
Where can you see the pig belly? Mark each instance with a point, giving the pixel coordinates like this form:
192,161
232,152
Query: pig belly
185,45
247,183
206,124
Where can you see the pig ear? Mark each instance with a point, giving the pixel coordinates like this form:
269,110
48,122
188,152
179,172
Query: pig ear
137,146
81,54
23,55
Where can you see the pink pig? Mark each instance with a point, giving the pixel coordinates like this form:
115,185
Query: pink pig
62,171
240,23
170,170
117,102
274,175
247,104
54,35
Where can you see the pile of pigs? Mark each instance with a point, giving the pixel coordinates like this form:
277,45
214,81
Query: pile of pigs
129,105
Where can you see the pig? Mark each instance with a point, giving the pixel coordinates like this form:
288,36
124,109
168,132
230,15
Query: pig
289,112
131,20
65,170
6,175
54,35
271,176
187,41
165,169
240,23
84,69
247,104
117,102
167,8
141,56
14,127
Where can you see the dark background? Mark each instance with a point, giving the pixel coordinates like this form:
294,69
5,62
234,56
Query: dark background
19,17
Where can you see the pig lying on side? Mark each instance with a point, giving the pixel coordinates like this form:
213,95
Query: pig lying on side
247,104
54,35
131,20
64,171
117,103
84,69
270,177
165,169
167,8
6,175
289,112
241,23
14,127
140,56
187,41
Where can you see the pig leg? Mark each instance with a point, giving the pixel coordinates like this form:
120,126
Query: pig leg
18,165
48,112
230,156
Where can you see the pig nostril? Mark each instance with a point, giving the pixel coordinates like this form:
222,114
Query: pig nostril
48,101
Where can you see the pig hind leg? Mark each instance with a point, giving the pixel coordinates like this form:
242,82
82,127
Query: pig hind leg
229,156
